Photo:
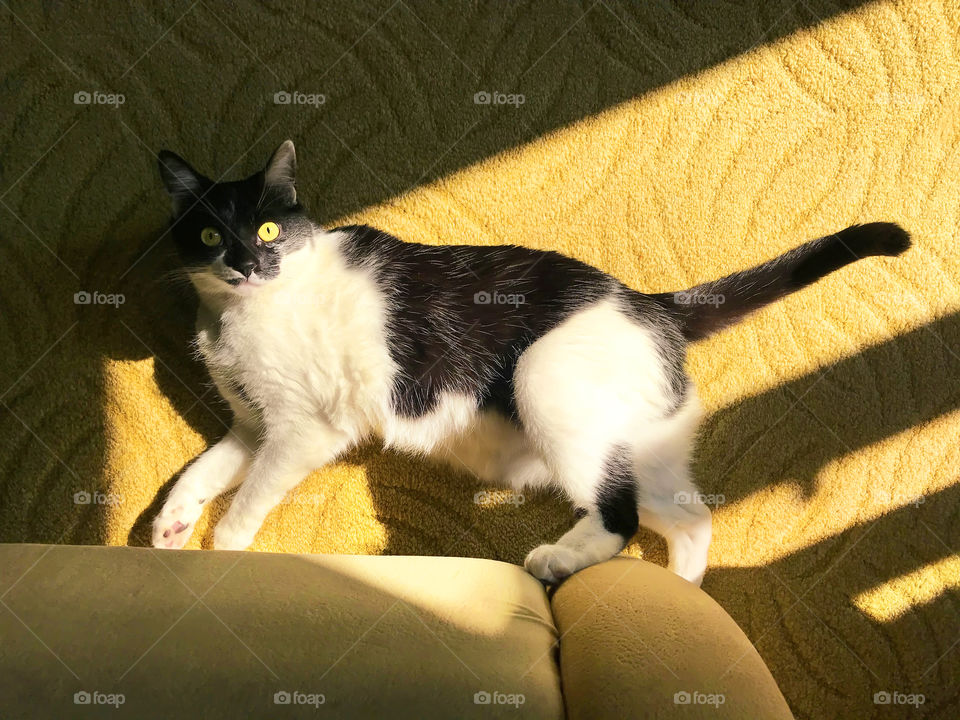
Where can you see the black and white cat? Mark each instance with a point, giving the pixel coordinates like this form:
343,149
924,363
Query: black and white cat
529,369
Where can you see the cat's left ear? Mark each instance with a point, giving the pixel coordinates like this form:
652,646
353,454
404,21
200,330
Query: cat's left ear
184,184
280,175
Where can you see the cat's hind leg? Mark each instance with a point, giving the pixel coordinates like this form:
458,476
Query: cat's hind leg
637,485
668,501
584,392
599,398
496,451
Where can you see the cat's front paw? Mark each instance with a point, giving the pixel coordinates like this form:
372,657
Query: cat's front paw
552,563
174,525
228,537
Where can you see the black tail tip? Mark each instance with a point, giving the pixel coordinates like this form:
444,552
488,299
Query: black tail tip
881,238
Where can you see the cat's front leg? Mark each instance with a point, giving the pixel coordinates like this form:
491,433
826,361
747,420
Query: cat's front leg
216,470
282,462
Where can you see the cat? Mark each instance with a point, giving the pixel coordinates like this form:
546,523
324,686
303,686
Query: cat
527,368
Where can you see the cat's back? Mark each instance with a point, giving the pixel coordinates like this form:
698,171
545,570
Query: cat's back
468,274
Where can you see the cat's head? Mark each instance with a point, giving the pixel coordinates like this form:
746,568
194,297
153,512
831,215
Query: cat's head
233,235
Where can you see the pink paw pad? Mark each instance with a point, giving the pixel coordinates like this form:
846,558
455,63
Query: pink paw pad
177,528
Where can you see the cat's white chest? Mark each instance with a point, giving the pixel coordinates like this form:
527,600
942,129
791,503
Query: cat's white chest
282,366
303,355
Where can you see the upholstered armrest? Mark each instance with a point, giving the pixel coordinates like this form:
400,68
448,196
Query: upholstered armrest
96,632
638,641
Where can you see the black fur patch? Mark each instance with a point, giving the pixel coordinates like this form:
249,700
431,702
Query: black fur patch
461,316
617,496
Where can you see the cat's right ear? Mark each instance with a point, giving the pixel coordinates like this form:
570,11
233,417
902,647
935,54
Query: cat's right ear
184,184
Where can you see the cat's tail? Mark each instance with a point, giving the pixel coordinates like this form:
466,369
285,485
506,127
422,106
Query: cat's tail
712,306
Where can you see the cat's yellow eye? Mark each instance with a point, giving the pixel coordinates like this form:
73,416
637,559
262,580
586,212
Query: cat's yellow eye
268,232
210,236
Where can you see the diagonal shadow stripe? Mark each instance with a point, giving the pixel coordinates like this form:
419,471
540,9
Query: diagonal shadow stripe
864,398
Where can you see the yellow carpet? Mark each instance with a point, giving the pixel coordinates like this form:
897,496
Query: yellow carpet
665,144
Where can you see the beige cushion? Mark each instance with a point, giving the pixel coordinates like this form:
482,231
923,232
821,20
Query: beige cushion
219,634
192,634
638,641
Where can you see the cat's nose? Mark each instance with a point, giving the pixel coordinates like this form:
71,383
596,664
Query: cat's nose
247,267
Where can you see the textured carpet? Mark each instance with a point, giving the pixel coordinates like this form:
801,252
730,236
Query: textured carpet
666,143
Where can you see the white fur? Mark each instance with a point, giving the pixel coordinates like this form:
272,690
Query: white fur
453,416
319,377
